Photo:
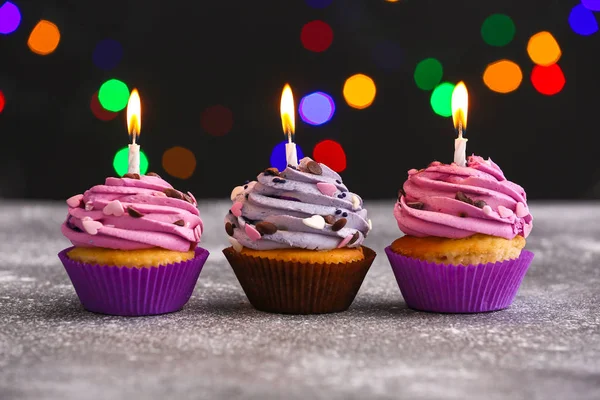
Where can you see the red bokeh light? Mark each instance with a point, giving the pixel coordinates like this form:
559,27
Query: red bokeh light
330,153
100,112
316,36
217,120
548,80
2,101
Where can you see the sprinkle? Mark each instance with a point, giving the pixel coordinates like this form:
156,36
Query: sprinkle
370,225
338,181
91,226
487,210
330,219
89,206
252,233
463,215
271,172
338,212
435,164
158,194
464,198
236,209
131,176
505,212
328,189
314,168
134,213
345,241
355,202
245,187
173,193
237,246
527,230
316,222
412,172
344,214
401,192
279,180
153,174
355,237
343,194
339,224
115,208
521,210
480,203
74,201
417,205
266,228
340,196
179,222
194,201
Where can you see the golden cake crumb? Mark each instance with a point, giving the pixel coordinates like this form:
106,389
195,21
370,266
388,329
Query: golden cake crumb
144,258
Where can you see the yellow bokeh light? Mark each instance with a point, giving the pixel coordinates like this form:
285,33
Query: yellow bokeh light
359,91
503,76
543,49
44,38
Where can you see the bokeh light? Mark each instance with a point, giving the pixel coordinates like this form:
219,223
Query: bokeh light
278,159
316,36
2,101
10,18
498,30
100,112
44,38
548,80
318,3
179,162
582,21
330,153
121,162
593,5
316,108
441,99
543,49
113,95
428,73
107,54
503,76
217,120
388,55
359,91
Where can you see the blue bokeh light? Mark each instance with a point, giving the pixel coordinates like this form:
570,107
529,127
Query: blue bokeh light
318,3
388,55
316,108
593,5
107,54
582,21
278,156
10,18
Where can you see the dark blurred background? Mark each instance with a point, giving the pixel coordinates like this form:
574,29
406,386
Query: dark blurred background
210,75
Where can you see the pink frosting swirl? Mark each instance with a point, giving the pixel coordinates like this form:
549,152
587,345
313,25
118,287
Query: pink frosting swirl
128,214
456,202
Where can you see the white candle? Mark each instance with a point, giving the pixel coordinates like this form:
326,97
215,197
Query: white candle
460,106
286,109
134,158
134,127
291,153
460,151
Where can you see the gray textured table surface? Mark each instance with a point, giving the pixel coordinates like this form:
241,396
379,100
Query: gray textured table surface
546,346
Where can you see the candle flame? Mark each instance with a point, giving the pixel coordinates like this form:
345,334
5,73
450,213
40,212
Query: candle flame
460,107
134,115
287,110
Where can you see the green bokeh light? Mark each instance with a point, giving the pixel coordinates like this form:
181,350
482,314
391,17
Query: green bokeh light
428,73
113,95
441,99
498,30
121,162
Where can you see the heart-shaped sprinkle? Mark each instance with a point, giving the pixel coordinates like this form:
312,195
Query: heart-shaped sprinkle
339,224
236,191
355,202
527,230
229,228
328,189
345,241
237,246
521,210
412,171
505,212
236,209
89,206
487,210
74,201
91,226
316,222
252,233
115,208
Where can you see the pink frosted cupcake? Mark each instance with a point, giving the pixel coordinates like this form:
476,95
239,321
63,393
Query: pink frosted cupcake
135,246
465,236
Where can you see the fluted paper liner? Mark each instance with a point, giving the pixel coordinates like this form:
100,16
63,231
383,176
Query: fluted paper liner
134,291
299,288
428,286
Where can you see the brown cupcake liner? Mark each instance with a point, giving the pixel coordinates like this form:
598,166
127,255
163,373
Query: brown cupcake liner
299,288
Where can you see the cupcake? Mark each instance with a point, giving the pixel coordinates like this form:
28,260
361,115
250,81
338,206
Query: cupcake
297,238
465,229
135,246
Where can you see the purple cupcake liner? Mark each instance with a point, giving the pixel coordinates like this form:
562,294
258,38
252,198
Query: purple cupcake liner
134,291
428,286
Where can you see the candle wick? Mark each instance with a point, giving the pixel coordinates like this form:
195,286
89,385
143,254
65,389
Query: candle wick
460,130
289,135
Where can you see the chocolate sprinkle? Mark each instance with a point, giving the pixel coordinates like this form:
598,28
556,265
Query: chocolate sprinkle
330,219
339,224
338,181
401,192
314,168
345,214
187,198
266,228
464,198
179,222
173,193
131,176
278,180
463,215
338,212
354,238
271,172
340,196
152,174
416,205
229,228
480,203
134,213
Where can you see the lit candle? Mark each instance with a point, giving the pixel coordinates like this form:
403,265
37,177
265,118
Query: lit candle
460,106
134,126
287,110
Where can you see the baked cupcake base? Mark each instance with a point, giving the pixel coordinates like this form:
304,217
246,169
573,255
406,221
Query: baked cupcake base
134,291
447,288
292,284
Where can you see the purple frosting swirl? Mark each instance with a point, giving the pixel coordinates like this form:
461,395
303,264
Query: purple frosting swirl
297,202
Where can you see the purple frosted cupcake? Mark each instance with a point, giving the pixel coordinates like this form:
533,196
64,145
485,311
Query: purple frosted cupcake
465,229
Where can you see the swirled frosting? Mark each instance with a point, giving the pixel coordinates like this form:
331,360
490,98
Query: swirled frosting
306,207
133,212
456,202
